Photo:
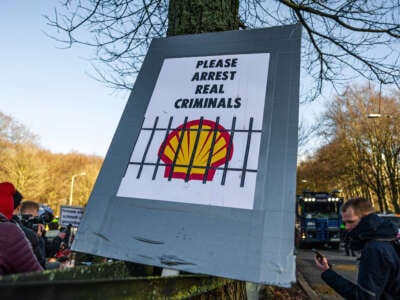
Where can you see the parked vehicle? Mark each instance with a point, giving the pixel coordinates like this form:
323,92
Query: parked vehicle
395,218
318,219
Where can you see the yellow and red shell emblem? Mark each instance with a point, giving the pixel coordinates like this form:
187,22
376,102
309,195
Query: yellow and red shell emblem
195,150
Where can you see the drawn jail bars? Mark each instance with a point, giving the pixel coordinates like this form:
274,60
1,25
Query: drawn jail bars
212,133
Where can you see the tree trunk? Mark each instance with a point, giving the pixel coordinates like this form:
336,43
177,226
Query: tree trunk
392,163
198,16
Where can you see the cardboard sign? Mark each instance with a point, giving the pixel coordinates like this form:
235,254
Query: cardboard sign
71,215
206,114
201,173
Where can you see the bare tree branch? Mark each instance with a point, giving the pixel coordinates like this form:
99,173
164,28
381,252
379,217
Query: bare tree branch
343,38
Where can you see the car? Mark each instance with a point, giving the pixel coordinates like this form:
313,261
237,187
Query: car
395,218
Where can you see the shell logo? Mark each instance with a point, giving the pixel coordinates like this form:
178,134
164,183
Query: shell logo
193,151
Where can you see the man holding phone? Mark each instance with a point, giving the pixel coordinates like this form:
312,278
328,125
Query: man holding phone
379,266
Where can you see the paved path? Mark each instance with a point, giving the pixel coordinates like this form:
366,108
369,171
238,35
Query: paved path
344,265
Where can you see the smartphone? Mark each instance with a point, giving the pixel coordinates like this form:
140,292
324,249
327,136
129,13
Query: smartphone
320,257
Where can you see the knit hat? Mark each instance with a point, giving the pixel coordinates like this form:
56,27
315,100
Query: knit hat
7,191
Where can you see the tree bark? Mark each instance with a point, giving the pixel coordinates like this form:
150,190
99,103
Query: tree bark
198,16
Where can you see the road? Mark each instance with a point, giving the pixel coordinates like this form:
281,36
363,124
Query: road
344,265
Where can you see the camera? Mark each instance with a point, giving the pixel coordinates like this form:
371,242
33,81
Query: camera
32,222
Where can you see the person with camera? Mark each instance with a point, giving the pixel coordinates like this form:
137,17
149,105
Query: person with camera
16,255
29,232
30,213
30,219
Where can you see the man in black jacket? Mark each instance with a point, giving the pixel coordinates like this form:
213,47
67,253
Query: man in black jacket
379,265
30,234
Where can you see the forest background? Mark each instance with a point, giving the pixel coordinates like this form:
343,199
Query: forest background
41,175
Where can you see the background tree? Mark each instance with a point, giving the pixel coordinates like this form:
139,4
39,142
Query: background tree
40,175
352,37
306,133
24,167
16,155
325,170
12,131
361,155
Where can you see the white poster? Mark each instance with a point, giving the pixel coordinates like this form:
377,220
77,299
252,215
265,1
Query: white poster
71,215
200,140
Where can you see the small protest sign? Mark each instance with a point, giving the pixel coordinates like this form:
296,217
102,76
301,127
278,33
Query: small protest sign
71,215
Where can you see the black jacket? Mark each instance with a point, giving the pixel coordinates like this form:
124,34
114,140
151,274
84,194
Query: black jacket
53,246
379,267
37,248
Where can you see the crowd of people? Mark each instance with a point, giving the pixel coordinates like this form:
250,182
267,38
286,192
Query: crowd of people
30,240
26,245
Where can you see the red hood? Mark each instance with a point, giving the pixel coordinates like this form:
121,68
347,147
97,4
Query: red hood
7,191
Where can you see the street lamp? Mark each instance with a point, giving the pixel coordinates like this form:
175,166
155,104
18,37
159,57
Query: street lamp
377,115
71,192
374,116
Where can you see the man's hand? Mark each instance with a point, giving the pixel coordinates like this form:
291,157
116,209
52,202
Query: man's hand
62,235
40,230
321,264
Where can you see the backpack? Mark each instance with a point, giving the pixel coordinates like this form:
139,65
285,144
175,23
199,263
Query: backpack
396,245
